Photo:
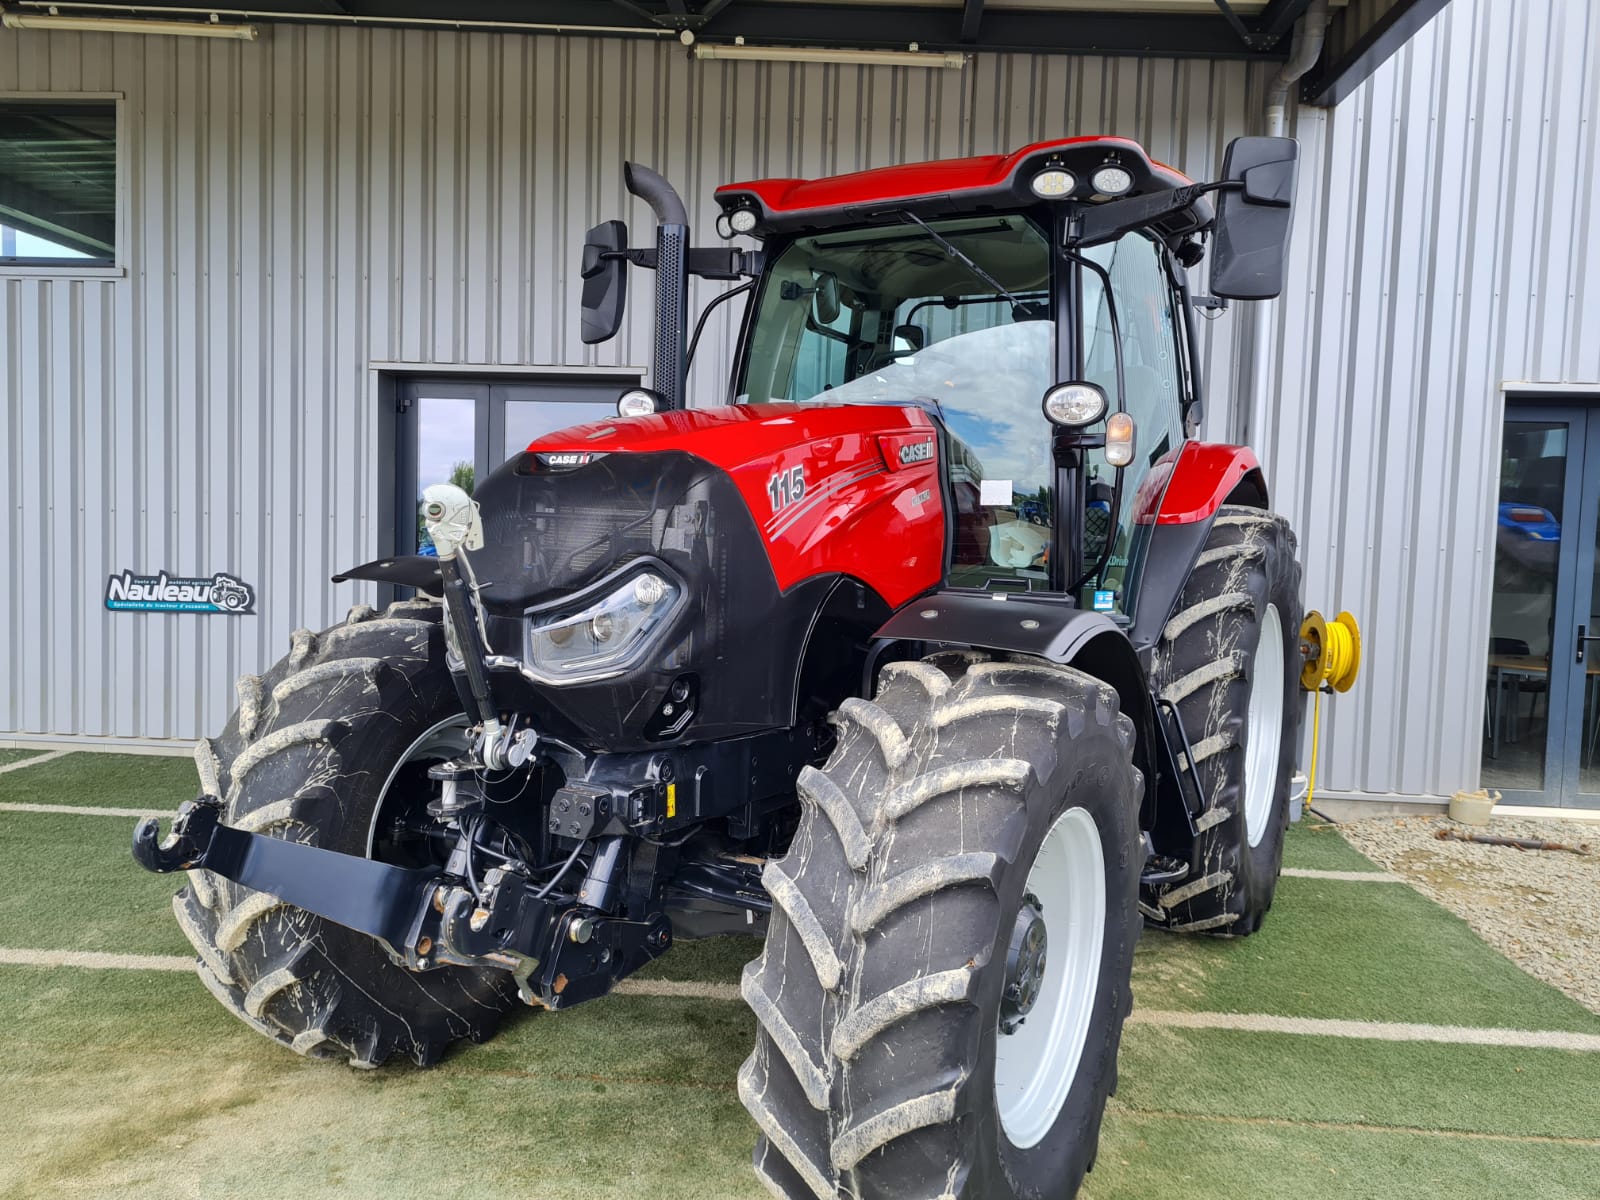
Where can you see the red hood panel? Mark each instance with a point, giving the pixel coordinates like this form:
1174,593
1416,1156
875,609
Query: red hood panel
815,480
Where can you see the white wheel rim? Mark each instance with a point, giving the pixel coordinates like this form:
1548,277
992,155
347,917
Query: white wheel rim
1035,1066
1264,728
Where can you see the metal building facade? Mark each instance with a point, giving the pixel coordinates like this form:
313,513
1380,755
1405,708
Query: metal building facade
303,213
1448,250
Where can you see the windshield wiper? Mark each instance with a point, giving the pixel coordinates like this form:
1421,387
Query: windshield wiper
950,249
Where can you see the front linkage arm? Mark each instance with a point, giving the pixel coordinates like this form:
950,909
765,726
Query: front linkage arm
560,952
389,903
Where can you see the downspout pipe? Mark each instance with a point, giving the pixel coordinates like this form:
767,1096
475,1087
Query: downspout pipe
670,369
1310,31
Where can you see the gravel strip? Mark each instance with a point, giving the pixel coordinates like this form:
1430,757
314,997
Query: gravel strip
1541,909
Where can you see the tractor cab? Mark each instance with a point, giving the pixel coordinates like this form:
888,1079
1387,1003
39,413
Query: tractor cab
975,288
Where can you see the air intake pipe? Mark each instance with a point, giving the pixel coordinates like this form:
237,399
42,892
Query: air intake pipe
669,371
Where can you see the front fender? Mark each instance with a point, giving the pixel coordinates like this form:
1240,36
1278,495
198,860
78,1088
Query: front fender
1047,629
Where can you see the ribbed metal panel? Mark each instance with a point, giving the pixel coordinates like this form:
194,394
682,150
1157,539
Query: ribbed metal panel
1448,246
300,208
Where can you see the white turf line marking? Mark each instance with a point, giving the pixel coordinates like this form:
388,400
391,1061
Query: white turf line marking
34,761
89,958
673,987
88,810
1379,1031
1376,1031
177,962
1348,876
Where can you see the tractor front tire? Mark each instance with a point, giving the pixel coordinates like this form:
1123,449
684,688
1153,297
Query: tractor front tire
1228,661
316,746
918,1036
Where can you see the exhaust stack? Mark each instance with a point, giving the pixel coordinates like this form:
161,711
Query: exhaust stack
669,370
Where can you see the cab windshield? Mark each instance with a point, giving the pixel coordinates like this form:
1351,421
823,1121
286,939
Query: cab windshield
889,316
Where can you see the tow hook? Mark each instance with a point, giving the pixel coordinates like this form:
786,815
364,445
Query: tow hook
188,844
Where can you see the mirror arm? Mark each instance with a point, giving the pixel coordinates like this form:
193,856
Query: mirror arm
1092,226
708,262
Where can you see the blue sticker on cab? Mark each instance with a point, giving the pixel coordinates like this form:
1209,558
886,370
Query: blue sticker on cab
1105,600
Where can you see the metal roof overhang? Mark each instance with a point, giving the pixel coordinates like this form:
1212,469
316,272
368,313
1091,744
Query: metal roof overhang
1361,35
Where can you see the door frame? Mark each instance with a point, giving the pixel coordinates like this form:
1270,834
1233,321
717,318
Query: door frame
1566,688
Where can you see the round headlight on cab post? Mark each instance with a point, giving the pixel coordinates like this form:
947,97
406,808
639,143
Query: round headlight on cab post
1075,404
724,226
743,220
638,402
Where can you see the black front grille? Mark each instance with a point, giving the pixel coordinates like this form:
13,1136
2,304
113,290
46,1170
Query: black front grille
550,532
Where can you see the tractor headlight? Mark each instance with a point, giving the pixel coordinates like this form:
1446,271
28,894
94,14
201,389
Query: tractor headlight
1075,404
606,637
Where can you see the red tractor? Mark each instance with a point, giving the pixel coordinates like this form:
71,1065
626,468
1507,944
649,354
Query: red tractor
940,654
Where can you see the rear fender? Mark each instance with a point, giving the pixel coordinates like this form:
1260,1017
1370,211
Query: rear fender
1050,630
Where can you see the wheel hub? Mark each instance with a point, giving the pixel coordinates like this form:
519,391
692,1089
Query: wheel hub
1025,963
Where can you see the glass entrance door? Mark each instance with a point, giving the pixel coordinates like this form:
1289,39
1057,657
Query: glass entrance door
1541,732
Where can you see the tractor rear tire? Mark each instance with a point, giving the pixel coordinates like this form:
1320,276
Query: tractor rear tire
1228,661
315,747
970,798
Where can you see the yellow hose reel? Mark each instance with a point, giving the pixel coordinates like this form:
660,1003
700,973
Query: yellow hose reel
1331,650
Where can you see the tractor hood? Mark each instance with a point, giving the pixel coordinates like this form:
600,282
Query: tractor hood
749,519
849,489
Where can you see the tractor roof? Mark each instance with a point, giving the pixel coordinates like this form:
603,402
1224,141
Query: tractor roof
947,187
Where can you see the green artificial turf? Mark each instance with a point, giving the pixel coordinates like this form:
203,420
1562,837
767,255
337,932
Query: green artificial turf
1487,1089
1151,1157
715,960
138,1084
157,782
1359,951
1314,845
72,884
17,755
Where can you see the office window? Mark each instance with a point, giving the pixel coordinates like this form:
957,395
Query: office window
458,429
58,183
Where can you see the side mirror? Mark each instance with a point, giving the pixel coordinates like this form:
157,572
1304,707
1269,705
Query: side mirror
605,281
825,298
1252,230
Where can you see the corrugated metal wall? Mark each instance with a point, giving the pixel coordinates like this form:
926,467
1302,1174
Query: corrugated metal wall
1448,241
302,207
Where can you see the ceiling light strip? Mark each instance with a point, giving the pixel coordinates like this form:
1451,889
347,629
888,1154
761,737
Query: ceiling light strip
243,33
351,19
819,54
